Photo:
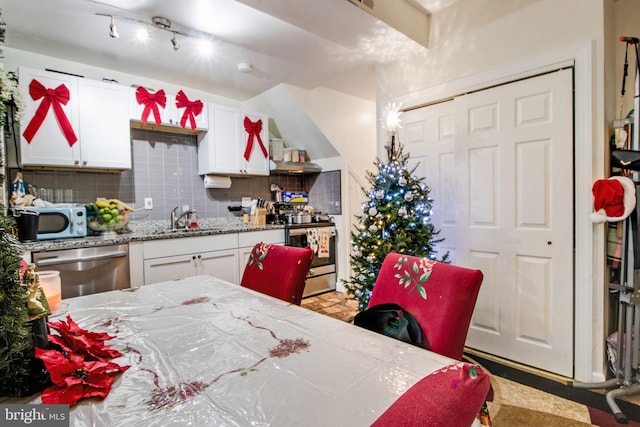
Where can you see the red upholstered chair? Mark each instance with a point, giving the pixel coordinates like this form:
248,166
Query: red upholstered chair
440,296
278,271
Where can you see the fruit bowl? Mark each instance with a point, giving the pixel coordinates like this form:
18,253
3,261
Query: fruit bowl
107,215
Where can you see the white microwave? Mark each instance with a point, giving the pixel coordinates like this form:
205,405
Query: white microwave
61,222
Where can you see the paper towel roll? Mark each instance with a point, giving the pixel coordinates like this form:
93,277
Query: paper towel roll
215,181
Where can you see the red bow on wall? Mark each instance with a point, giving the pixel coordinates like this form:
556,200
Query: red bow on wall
253,129
151,102
50,97
191,109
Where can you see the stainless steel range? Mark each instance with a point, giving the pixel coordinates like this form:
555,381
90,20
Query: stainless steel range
321,237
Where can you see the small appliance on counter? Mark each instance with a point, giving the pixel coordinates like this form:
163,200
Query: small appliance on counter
27,222
53,222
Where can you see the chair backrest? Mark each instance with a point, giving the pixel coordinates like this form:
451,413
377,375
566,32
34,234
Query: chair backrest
278,271
440,296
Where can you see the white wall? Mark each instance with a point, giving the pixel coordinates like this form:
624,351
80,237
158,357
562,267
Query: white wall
13,58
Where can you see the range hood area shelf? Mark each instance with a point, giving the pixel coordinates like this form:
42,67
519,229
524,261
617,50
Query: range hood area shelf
285,168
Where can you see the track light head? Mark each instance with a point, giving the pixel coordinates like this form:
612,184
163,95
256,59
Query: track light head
113,31
174,42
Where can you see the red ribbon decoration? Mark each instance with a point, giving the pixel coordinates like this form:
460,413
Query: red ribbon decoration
253,129
151,102
50,97
191,109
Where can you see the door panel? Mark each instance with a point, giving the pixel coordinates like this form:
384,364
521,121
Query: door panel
514,157
428,137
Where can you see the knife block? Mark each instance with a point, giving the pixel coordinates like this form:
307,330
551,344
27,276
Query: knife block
260,217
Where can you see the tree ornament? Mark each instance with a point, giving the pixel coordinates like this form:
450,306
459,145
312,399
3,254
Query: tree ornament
402,211
402,181
379,194
408,197
373,211
373,228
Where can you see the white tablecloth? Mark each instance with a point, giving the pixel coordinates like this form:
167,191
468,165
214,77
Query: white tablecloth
216,341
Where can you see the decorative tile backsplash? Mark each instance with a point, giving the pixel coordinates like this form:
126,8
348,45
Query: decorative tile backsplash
165,168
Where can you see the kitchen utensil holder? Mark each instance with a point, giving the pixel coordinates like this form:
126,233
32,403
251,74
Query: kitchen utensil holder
260,217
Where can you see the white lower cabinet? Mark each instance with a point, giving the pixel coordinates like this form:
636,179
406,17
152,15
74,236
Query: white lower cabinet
222,255
222,264
172,259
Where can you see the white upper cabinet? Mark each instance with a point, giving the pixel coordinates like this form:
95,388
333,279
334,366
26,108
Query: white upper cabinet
73,122
222,150
104,125
254,143
49,126
163,109
217,150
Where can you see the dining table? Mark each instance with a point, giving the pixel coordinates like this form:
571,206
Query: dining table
205,352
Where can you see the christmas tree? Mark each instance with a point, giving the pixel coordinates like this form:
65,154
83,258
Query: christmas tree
20,373
396,217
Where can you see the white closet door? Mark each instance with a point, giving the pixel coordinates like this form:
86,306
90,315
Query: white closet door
428,136
514,162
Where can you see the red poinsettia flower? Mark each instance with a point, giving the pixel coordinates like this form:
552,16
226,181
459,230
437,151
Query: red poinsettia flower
74,339
72,328
74,378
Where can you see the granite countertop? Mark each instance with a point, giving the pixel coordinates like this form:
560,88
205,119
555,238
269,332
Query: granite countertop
151,230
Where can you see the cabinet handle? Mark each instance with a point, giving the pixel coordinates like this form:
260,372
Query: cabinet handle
76,162
84,163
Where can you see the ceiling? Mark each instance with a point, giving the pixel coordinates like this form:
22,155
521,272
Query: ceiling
304,43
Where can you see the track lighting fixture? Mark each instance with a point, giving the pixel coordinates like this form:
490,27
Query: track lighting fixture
160,23
113,31
174,42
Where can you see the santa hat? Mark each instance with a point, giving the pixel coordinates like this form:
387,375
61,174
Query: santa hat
613,199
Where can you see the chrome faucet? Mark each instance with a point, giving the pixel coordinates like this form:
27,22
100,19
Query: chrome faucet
175,219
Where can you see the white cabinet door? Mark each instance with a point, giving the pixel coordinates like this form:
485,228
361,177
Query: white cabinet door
104,125
258,163
218,149
169,268
48,145
220,264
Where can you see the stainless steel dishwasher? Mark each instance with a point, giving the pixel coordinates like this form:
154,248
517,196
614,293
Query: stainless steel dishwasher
85,271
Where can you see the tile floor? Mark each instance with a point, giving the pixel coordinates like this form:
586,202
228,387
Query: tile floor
334,304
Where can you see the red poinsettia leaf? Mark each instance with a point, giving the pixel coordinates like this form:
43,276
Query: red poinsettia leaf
59,367
61,395
71,328
83,345
71,395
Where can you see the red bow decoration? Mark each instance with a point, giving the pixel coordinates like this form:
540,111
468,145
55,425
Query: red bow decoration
253,129
50,97
151,102
191,109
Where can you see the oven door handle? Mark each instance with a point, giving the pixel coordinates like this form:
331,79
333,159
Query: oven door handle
298,232
43,262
